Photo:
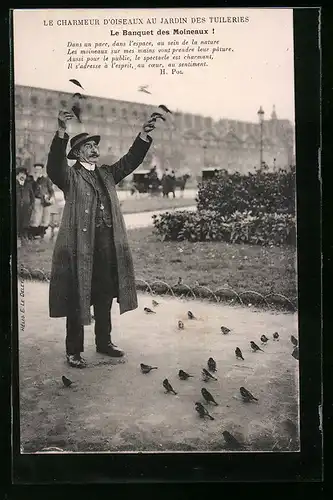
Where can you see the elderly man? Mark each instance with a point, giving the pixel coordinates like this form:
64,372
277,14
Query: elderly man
92,262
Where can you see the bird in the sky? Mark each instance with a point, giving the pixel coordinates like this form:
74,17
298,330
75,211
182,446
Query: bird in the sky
164,108
147,310
255,347
190,315
231,441
180,325
184,375
147,368
211,363
238,353
66,381
155,303
294,340
143,88
295,353
203,412
76,82
225,330
263,339
168,387
207,376
275,336
208,397
246,395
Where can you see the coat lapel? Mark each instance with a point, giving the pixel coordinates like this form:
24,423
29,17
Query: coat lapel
85,174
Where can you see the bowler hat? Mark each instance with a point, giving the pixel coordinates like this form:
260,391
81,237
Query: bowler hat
21,169
80,139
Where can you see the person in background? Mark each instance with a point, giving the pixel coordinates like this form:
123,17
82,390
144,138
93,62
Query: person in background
44,198
173,183
24,202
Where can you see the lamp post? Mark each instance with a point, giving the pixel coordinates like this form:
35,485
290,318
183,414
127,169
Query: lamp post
261,114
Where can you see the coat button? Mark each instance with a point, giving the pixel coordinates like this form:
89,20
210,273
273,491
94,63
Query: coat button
87,211
84,229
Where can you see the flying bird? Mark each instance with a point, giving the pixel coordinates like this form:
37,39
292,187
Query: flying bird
225,330
294,340
148,310
211,363
167,110
231,441
238,353
180,325
295,353
246,395
147,368
184,375
76,82
203,412
208,397
255,347
143,88
168,387
206,375
155,303
76,106
190,315
275,336
263,339
66,381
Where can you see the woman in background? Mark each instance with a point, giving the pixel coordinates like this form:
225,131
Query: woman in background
24,202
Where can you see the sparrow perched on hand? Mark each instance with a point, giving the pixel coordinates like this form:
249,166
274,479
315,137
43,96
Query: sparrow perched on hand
211,363
168,387
203,412
76,106
206,375
263,339
208,397
154,116
238,353
148,310
231,441
295,353
155,303
246,395
147,368
255,347
180,325
190,315
225,330
66,381
294,340
275,336
184,375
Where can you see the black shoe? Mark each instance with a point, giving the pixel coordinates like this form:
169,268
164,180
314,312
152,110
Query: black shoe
76,361
110,350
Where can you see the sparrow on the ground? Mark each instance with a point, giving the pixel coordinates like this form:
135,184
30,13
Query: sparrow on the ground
190,315
148,310
225,330
231,441
180,325
255,347
295,353
246,395
211,363
155,303
184,375
66,381
203,412
275,336
238,353
147,368
294,340
208,397
263,339
206,375
168,387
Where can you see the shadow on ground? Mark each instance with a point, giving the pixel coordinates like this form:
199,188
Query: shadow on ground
111,406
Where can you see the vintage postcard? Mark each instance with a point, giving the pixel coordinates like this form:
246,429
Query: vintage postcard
156,230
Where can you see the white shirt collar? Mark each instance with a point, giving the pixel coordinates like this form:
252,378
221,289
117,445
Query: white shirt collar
88,166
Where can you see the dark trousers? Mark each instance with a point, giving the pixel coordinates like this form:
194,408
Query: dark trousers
104,288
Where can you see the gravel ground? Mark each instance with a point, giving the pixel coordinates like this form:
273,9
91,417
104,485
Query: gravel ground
111,406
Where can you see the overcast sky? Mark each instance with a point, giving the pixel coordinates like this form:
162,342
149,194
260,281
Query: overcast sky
259,71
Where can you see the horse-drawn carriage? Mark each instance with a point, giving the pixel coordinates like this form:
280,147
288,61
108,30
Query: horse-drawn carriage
141,181
209,173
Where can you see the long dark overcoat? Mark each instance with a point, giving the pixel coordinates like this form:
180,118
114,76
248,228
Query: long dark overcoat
72,261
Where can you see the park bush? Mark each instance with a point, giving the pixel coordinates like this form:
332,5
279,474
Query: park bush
239,227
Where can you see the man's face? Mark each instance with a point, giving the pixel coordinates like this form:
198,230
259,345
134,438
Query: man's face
88,152
38,171
21,177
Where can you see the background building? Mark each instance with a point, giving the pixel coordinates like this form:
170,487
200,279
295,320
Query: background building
191,143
